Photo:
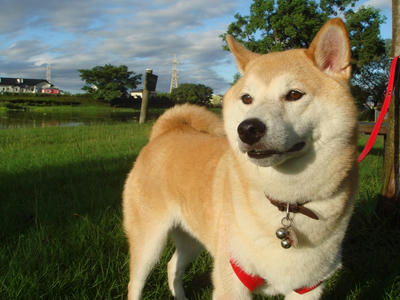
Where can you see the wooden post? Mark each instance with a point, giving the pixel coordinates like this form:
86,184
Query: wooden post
395,27
391,173
145,98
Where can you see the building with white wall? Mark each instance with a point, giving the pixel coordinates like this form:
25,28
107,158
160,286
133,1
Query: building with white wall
23,85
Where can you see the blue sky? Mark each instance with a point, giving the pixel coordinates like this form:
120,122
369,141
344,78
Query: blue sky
76,34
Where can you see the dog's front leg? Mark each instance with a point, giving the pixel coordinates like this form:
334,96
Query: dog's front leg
226,284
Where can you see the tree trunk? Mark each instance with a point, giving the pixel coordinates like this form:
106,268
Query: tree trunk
145,98
391,186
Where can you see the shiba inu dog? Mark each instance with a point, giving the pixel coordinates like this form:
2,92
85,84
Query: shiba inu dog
268,192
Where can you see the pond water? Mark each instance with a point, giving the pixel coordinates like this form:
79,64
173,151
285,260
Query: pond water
19,119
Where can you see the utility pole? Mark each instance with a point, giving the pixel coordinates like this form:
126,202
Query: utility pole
391,172
48,73
149,85
174,75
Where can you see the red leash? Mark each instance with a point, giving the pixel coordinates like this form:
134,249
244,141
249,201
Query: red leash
389,92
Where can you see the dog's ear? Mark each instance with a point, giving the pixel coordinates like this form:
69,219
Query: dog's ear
330,49
241,54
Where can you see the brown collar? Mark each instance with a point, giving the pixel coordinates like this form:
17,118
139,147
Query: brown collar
294,208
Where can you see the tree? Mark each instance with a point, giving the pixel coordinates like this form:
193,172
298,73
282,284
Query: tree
368,87
109,82
236,77
369,83
192,93
275,25
366,44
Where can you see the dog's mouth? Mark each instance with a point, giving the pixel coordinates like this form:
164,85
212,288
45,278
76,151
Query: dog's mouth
259,154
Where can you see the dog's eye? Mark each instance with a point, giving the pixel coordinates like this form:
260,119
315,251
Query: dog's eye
247,99
294,95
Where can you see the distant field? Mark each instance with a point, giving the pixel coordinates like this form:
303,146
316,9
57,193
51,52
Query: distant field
43,99
61,234
64,104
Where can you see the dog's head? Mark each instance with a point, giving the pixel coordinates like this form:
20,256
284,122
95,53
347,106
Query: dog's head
286,102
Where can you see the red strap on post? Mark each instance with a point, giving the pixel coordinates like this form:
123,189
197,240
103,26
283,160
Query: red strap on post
385,106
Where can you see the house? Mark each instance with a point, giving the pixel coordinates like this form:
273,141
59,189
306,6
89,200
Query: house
23,85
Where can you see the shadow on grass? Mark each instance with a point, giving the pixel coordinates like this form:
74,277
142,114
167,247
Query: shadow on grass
55,194
61,234
371,259
201,280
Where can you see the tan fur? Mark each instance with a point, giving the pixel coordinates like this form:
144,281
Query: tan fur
184,116
243,55
200,186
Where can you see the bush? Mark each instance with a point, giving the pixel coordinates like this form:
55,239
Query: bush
160,100
192,93
367,115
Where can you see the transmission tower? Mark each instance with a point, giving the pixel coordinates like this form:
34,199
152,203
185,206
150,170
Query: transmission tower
48,73
174,75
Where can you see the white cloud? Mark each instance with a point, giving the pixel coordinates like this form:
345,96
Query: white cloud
80,34
382,4
22,50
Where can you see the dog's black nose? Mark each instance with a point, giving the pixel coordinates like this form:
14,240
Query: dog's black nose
251,131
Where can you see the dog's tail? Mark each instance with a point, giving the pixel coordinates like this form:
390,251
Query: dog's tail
185,116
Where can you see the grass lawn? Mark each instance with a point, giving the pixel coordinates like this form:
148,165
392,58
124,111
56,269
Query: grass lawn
48,110
60,225
56,104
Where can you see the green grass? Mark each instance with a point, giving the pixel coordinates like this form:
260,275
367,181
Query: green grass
78,109
61,234
66,104
60,230
91,109
55,104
